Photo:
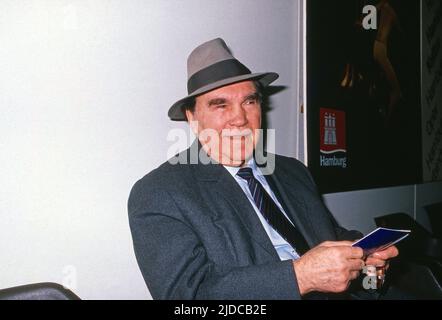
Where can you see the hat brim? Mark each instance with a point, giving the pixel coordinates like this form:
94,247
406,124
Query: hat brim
176,111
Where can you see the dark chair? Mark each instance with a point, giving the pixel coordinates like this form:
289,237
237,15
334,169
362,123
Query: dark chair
418,269
419,279
38,291
420,244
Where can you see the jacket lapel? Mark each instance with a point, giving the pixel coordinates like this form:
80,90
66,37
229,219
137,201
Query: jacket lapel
228,188
290,197
215,179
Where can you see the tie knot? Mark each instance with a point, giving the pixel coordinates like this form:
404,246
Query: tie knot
245,173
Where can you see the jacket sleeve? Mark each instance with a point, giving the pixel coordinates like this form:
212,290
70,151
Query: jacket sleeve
174,262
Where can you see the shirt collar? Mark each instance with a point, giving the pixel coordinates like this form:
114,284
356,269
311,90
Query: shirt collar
251,164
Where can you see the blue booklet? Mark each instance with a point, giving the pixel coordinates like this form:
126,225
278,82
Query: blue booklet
380,239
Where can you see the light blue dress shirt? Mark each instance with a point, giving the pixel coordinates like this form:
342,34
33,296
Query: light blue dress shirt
283,248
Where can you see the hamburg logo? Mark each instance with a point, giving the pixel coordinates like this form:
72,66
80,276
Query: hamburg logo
332,134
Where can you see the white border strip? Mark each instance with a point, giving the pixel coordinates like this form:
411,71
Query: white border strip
304,76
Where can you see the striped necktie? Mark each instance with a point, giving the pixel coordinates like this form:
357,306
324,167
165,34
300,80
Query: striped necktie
272,214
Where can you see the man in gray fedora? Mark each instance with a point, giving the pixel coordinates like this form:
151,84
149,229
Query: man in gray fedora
221,229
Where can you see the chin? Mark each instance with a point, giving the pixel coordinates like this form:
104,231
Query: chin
237,152
243,155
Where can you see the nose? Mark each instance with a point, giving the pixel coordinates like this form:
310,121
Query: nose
238,116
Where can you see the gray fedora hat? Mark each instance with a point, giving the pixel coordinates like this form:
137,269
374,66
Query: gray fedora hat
211,65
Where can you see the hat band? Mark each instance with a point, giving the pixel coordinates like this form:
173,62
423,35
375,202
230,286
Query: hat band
216,72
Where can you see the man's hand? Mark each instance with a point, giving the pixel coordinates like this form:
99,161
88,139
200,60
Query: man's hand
328,267
379,258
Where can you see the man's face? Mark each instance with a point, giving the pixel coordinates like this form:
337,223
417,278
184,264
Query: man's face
226,121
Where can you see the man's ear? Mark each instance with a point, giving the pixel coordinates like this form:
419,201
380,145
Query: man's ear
193,123
189,115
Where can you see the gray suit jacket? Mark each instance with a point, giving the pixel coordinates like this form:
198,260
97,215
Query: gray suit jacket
196,235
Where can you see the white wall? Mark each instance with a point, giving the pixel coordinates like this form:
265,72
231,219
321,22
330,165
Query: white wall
357,209
84,91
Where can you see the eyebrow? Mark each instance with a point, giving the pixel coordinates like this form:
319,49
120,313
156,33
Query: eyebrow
252,96
219,101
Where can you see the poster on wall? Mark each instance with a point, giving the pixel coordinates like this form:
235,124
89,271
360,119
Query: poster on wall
363,93
432,90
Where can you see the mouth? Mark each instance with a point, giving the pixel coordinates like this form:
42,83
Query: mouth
236,133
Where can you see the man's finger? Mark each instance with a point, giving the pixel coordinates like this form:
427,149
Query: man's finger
356,264
356,253
386,254
335,243
371,261
354,275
